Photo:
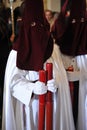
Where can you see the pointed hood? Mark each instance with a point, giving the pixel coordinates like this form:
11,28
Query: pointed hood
34,44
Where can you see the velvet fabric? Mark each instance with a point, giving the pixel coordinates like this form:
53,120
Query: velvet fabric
34,44
73,40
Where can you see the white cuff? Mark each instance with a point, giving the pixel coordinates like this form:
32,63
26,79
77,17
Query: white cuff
52,85
40,88
22,93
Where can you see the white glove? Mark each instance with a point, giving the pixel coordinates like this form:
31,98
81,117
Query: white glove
51,85
39,88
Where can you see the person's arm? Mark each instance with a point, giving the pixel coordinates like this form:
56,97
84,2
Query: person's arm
16,80
23,83
20,82
22,88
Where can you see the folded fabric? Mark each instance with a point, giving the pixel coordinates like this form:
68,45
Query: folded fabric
51,84
39,88
73,76
23,93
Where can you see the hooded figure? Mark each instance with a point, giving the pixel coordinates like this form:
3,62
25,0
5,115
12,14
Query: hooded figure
73,32
72,40
32,48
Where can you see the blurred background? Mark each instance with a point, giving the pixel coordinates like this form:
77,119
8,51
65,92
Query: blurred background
48,4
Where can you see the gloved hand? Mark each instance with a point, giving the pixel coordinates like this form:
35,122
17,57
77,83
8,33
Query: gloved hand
39,88
51,84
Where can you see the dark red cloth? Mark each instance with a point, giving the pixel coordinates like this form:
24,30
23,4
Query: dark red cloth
73,40
78,9
59,26
34,44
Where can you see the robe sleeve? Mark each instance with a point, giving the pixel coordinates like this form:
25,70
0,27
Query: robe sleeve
22,89
20,86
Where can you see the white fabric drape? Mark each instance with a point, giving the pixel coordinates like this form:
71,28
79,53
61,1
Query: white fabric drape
9,104
82,108
13,113
13,116
16,115
63,116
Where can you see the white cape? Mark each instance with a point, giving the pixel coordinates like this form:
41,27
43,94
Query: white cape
82,107
63,107
13,112
14,116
